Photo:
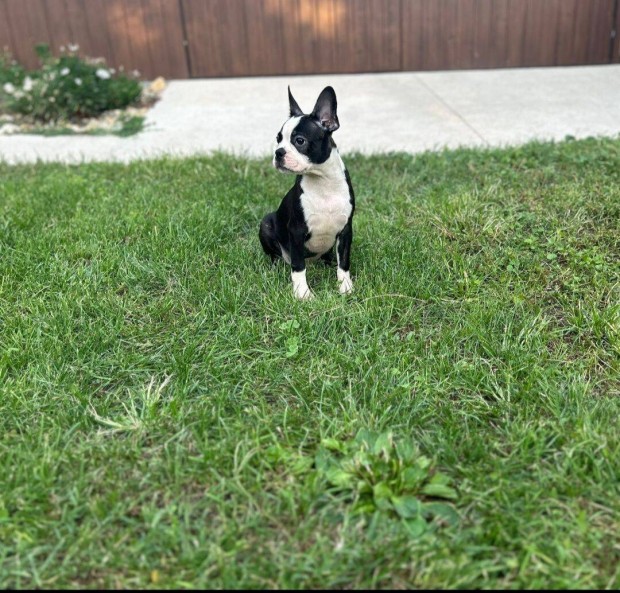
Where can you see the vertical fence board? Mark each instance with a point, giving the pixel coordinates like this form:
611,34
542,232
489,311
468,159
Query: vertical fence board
566,36
515,32
98,40
412,40
615,45
592,31
76,17
365,36
583,17
116,21
58,24
216,46
6,38
328,31
482,32
539,33
436,33
170,22
599,34
385,39
297,39
497,55
461,51
263,21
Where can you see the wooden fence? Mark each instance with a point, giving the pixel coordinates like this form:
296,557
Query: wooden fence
205,38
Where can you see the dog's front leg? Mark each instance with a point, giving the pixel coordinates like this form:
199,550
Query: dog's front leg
343,251
298,265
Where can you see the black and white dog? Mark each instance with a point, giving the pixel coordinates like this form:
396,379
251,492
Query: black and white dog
316,213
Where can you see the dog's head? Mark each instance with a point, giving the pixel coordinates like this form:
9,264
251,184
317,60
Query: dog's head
306,140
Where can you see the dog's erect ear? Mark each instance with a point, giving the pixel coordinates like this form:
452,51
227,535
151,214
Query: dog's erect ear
295,109
325,110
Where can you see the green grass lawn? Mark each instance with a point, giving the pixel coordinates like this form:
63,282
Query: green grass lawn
167,407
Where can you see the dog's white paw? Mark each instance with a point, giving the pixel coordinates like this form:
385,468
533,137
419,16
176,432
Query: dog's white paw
300,286
346,285
303,294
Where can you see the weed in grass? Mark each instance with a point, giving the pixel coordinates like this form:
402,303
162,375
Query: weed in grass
389,477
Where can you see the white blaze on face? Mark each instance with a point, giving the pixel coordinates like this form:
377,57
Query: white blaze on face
293,160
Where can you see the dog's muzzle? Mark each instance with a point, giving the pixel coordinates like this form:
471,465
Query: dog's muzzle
278,159
280,155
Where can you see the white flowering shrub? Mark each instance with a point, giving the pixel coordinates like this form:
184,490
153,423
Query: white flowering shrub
65,87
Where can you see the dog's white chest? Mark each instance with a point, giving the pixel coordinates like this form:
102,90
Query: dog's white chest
326,209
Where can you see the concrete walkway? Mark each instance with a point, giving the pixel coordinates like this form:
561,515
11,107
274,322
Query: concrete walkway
409,112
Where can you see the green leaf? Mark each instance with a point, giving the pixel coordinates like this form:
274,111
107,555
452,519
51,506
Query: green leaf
323,460
274,453
384,504
407,506
382,490
364,487
301,465
289,325
416,527
382,496
366,437
439,478
365,507
383,444
442,511
292,345
412,477
339,478
423,462
406,451
333,445
439,491
361,459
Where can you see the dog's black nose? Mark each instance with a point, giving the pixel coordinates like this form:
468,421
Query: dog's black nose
280,153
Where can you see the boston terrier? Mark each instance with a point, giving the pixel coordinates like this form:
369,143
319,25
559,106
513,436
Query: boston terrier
316,214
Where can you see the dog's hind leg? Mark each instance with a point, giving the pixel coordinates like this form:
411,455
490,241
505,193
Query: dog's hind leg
267,236
343,251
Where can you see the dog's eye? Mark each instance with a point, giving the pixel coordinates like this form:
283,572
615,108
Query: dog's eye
300,141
